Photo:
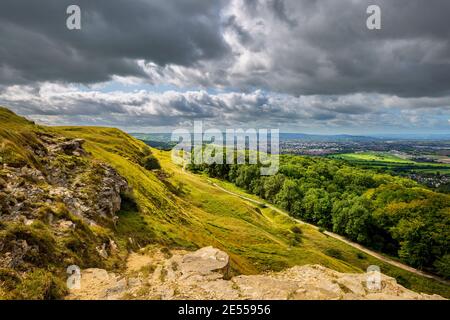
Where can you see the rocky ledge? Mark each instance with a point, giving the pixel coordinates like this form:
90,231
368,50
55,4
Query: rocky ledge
205,274
52,198
88,189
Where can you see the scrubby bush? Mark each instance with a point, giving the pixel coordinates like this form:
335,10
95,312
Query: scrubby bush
38,236
361,256
296,230
8,279
151,163
39,285
335,253
442,266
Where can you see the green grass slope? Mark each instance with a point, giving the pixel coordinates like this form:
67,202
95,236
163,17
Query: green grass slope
179,209
191,212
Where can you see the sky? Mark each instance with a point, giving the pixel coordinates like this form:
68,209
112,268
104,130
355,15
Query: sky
307,66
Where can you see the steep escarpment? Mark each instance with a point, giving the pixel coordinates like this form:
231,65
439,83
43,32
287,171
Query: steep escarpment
58,208
66,178
91,196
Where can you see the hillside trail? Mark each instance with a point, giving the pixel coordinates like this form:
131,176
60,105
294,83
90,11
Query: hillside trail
340,238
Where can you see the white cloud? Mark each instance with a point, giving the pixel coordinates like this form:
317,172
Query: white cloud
55,103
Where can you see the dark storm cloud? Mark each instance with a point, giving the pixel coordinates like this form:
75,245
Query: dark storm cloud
327,48
244,36
279,10
37,46
300,47
306,62
409,56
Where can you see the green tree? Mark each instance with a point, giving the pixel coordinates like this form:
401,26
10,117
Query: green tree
352,218
317,207
290,196
272,185
442,266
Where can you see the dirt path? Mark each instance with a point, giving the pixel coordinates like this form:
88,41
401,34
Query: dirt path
340,238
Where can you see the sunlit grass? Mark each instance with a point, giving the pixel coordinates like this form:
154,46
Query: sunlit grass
373,156
179,209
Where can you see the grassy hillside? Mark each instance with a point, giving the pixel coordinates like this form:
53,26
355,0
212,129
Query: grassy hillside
198,214
35,248
179,209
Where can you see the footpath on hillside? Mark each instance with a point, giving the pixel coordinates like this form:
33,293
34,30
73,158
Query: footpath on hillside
340,238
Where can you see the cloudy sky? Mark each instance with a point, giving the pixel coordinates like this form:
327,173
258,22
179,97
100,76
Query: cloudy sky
298,65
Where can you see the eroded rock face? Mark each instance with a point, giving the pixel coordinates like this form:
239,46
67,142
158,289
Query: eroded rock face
203,275
89,190
63,185
69,147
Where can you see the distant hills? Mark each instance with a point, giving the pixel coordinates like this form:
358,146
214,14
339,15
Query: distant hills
326,138
166,137
443,136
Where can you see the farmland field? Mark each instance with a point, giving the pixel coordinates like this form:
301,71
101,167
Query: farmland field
372,156
391,162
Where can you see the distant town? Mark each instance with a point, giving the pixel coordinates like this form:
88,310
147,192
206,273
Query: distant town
425,160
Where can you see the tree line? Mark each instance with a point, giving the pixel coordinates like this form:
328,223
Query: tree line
390,214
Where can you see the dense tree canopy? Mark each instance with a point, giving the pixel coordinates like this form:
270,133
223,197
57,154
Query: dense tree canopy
391,214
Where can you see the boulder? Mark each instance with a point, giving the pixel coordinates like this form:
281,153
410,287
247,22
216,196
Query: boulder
200,275
71,147
205,261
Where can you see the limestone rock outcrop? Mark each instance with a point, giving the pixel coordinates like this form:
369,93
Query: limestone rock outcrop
204,275
60,186
90,190
205,261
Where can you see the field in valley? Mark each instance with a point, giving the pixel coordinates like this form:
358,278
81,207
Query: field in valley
391,162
